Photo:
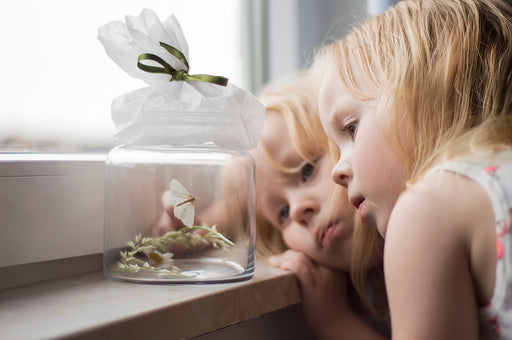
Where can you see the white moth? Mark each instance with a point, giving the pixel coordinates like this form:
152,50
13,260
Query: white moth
183,203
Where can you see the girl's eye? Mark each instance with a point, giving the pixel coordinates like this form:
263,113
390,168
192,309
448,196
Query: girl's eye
283,214
307,170
351,129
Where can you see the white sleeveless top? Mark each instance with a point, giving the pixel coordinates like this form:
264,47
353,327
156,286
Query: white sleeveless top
494,174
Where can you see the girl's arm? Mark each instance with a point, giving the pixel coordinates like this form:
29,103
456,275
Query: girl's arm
436,231
325,300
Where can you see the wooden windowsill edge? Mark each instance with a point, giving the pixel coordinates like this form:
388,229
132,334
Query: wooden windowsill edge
91,306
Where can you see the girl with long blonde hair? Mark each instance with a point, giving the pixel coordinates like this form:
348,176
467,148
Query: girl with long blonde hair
419,103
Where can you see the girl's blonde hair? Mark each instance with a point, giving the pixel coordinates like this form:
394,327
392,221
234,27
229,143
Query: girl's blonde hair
291,98
446,65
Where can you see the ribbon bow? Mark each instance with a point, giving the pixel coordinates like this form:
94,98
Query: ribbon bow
176,74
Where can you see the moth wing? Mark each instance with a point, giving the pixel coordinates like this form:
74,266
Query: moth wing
178,193
185,213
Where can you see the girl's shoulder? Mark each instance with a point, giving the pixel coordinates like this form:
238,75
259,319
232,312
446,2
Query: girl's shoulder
452,214
438,244
471,184
444,203
461,193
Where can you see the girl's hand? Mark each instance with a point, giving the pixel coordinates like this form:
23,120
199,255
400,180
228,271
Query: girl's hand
324,290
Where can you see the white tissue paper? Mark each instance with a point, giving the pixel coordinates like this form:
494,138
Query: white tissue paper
174,112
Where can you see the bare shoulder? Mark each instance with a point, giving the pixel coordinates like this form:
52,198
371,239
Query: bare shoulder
448,212
444,202
431,215
438,243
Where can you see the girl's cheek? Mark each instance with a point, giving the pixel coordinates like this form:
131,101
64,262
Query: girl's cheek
292,238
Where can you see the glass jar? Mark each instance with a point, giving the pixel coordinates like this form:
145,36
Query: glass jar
149,234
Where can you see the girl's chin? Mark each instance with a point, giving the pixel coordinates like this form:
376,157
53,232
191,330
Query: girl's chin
368,219
381,225
338,256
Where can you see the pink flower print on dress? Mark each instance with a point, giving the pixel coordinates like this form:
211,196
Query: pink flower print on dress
490,169
506,225
499,249
495,325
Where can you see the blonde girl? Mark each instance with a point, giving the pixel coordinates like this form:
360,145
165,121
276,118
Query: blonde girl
300,209
419,102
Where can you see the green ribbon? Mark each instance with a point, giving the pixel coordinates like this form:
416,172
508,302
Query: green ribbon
176,74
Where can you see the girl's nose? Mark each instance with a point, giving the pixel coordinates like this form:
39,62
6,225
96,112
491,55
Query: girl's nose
342,173
302,210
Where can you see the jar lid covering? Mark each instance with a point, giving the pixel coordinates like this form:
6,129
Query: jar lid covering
177,112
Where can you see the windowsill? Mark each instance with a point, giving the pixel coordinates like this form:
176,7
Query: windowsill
91,306
63,197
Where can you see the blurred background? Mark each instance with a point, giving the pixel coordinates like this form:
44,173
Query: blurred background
57,83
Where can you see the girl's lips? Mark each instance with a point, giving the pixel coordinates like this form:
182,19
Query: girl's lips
360,211
356,201
326,234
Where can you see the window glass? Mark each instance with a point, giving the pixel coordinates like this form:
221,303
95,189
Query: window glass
57,82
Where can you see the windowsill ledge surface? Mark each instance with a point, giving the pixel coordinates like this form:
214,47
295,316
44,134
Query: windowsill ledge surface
92,306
